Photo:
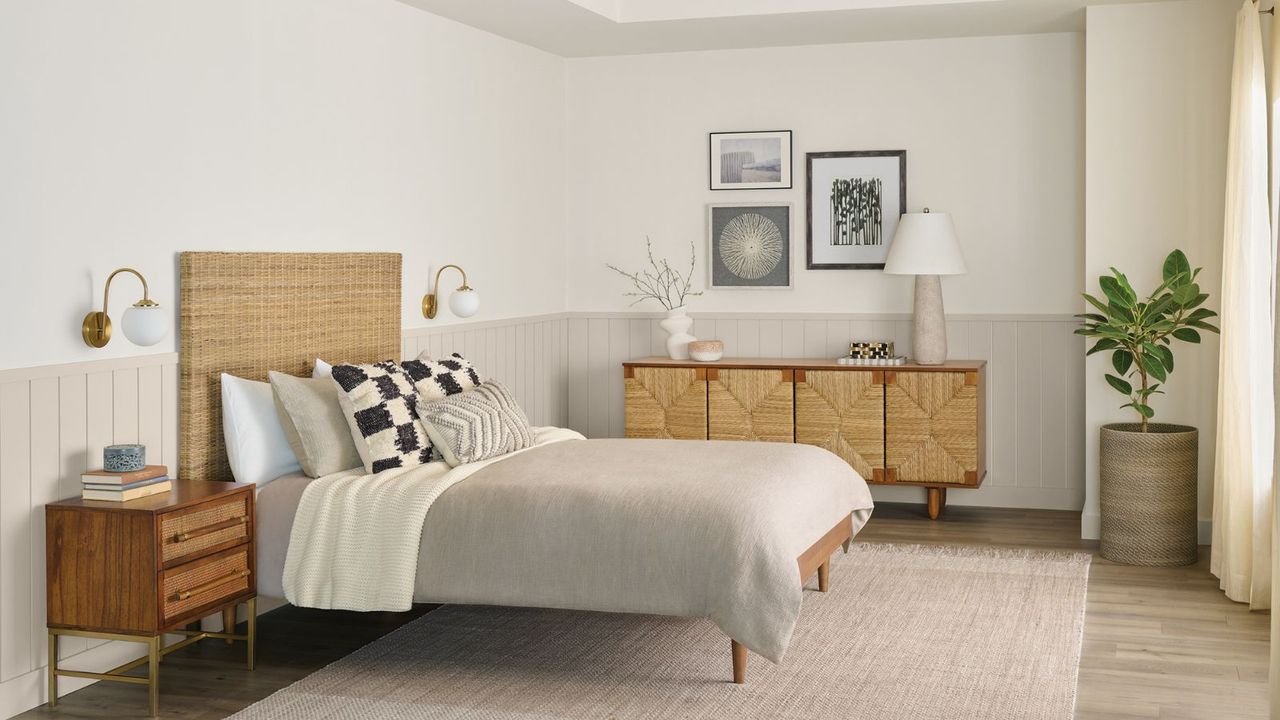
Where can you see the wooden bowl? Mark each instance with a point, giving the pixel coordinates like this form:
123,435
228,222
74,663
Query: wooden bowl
706,350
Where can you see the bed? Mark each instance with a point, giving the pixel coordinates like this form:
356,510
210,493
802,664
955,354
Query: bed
727,531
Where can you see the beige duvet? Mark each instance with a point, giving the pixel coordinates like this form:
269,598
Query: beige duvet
704,529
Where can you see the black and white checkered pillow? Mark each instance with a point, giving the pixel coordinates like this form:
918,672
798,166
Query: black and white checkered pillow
437,379
380,404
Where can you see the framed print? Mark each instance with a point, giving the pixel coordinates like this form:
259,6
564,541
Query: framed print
749,245
751,160
854,200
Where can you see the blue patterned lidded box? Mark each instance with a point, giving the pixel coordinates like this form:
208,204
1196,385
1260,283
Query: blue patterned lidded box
124,458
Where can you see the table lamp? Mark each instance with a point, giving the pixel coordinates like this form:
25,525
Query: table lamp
925,245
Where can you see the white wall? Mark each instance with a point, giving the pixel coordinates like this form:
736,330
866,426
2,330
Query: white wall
993,129
135,129
1158,78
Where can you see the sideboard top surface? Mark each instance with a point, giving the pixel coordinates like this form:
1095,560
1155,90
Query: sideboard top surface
803,363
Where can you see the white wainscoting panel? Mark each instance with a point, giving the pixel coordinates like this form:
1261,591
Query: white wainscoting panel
1035,376
55,420
526,354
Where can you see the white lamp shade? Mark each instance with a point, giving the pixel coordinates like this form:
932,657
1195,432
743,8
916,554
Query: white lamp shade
925,244
145,324
464,303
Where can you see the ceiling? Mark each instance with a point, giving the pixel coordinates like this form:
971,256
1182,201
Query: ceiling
577,28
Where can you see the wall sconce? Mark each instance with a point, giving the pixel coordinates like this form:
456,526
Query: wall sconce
146,323
464,302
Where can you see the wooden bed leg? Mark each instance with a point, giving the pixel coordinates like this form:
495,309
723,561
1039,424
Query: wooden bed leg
739,661
229,622
937,501
824,576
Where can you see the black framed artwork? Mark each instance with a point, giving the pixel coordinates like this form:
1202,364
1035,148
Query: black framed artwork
853,201
759,160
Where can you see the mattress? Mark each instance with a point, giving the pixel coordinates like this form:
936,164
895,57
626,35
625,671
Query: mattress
276,505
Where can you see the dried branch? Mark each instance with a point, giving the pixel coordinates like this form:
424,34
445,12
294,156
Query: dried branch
663,283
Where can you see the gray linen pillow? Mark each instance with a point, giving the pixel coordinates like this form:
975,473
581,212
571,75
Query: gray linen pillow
478,424
314,424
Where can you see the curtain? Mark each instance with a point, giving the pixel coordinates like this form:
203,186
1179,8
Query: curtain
1245,459
1273,137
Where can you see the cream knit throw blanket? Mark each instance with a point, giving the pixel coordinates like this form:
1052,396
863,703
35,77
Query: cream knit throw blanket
354,543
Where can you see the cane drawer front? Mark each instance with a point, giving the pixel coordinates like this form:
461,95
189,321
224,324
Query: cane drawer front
197,530
932,427
843,411
191,588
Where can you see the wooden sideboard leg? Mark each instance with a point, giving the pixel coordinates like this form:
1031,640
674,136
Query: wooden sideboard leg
739,661
229,622
824,576
937,501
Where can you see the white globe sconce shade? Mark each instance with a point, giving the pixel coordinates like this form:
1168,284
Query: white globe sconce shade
464,303
145,324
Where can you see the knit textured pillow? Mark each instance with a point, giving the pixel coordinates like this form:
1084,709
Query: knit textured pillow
380,405
436,379
476,425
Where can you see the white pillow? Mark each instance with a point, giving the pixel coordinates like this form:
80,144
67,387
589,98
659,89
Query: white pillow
256,444
322,370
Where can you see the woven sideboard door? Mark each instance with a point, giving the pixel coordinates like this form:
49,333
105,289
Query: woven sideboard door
666,403
843,411
750,405
931,426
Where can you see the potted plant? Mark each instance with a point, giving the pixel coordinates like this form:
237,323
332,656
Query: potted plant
670,288
1148,479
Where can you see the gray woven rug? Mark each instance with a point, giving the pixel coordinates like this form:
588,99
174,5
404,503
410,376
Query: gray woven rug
906,632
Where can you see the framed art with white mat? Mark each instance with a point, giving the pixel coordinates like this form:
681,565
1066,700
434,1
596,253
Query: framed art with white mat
750,160
853,202
749,245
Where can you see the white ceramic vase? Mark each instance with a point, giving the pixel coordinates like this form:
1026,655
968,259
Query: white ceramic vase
677,324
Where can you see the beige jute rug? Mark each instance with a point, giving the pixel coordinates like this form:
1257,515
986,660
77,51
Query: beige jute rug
906,632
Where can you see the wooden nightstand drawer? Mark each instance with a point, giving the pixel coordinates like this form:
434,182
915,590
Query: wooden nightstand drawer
204,583
199,529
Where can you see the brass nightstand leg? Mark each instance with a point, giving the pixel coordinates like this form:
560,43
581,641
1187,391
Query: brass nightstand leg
53,670
153,675
252,632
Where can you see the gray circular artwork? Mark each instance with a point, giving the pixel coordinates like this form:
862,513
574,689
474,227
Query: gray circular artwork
750,246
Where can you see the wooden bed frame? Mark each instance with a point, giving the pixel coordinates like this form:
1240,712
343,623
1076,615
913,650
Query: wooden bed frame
816,559
248,313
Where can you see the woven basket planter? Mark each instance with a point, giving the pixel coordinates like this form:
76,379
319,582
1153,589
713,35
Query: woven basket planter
1148,491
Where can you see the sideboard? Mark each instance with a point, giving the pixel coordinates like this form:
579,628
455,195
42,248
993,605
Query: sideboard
921,425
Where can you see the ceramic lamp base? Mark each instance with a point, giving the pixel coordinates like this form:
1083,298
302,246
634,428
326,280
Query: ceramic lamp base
929,327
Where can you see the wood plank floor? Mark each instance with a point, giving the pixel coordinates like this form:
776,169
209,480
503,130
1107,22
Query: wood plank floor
1158,642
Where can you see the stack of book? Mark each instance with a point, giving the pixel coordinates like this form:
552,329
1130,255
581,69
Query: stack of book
125,486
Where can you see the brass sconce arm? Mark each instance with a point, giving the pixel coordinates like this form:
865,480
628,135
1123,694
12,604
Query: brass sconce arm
96,328
430,302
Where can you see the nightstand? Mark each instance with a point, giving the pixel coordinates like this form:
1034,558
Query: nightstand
137,570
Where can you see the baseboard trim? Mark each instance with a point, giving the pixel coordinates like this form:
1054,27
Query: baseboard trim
990,496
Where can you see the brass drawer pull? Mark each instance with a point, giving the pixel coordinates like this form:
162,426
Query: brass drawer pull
183,595
208,529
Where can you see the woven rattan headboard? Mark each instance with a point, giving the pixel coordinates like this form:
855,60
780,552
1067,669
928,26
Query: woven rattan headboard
247,313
